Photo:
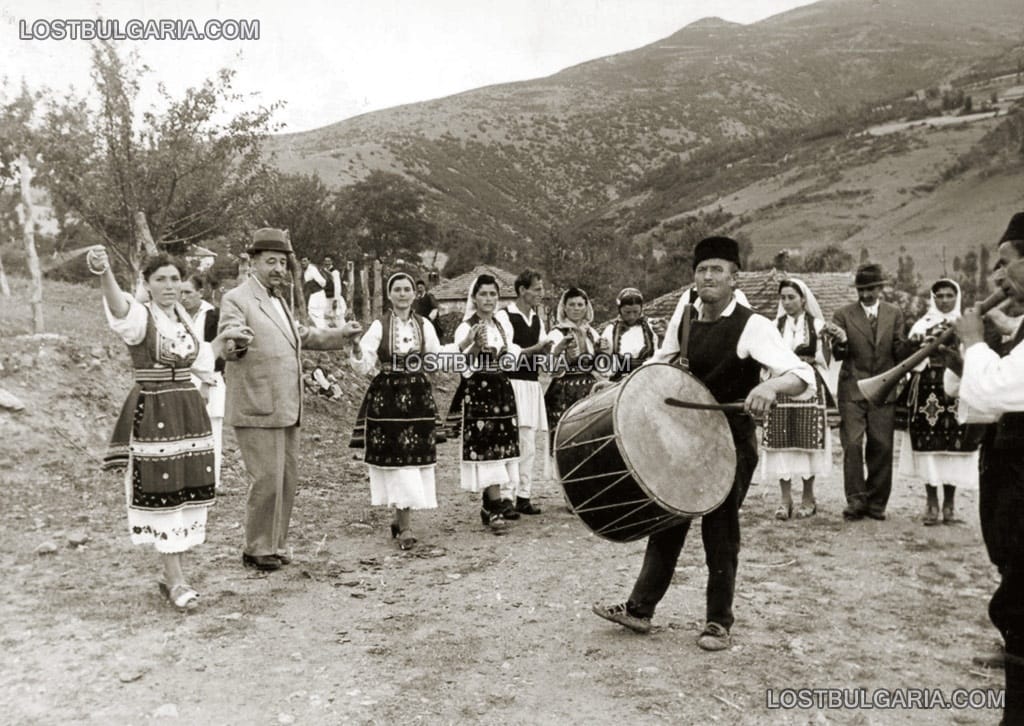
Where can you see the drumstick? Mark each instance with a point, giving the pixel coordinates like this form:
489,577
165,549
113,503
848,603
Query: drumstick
735,407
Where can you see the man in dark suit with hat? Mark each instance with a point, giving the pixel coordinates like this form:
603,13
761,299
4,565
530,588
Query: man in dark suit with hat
264,393
875,342
724,345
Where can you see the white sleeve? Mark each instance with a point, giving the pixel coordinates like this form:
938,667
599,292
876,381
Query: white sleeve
368,346
132,327
431,343
607,335
555,336
991,385
669,348
313,273
761,341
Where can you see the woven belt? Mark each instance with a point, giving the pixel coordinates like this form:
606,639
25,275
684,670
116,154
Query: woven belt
149,375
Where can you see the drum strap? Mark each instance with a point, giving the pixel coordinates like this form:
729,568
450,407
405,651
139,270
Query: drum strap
684,337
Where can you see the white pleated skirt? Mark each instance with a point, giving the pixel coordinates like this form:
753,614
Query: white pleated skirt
170,531
938,467
779,464
477,476
405,487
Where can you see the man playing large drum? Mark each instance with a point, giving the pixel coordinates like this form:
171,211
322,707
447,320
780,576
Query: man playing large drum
724,345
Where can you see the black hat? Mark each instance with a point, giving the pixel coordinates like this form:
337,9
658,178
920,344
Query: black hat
716,248
1015,230
869,275
269,239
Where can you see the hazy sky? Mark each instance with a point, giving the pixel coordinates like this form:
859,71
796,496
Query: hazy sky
332,60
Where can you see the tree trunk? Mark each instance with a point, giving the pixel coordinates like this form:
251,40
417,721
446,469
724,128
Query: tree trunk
5,289
146,246
350,286
364,285
378,285
29,237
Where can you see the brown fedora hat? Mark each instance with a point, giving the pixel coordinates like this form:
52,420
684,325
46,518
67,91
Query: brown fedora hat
869,275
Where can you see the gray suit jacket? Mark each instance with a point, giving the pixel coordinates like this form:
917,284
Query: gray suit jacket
264,383
865,355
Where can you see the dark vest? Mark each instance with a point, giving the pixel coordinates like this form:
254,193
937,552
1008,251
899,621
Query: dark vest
808,349
524,336
712,355
386,348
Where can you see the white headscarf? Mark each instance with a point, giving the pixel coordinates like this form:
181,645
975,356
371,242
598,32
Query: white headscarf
561,319
810,302
934,316
470,302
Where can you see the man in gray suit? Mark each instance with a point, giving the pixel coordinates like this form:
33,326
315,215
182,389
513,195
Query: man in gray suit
875,342
264,393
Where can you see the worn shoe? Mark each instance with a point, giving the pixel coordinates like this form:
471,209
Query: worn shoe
880,516
495,521
714,637
948,515
508,509
620,614
283,558
931,516
852,513
525,506
266,563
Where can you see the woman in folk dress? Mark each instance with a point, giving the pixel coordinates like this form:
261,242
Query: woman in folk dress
485,403
163,434
398,414
574,336
796,439
936,448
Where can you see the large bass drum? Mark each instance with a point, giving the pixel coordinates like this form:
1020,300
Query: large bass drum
630,465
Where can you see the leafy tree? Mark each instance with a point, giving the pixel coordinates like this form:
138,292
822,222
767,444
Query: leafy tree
18,153
304,206
830,258
907,279
466,252
178,175
385,215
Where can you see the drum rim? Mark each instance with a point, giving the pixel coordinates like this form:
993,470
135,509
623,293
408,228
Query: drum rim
625,454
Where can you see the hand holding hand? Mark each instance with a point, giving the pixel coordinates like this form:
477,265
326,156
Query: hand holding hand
351,329
232,341
659,326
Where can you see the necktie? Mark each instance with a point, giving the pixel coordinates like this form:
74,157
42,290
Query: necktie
874,323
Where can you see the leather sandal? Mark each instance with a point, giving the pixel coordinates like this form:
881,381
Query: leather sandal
806,511
406,541
180,596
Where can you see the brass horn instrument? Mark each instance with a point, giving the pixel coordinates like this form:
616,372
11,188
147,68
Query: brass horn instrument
877,388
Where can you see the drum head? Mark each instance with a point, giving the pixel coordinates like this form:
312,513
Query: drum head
684,458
